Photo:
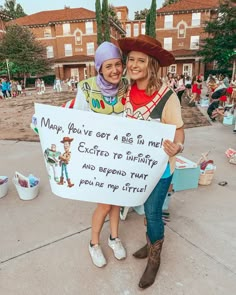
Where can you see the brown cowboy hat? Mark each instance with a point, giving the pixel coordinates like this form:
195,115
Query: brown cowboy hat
67,139
149,46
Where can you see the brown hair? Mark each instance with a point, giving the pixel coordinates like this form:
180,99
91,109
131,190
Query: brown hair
154,82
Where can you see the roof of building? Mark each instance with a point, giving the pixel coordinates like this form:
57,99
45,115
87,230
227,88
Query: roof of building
74,59
184,53
54,16
183,5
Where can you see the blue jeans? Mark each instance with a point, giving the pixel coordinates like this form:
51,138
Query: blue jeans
64,170
153,210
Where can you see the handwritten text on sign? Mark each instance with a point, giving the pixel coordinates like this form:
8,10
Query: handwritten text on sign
101,158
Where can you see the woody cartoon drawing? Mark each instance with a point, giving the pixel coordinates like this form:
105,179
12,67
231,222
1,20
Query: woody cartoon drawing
64,161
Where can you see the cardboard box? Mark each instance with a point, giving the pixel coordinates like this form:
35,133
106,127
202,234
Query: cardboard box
186,174
204,102
228,120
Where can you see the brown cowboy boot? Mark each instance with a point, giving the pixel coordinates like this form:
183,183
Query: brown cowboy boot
69,183
153,264
61,182
142,252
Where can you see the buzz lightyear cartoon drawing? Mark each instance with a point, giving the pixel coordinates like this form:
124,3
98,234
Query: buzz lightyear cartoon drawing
51,156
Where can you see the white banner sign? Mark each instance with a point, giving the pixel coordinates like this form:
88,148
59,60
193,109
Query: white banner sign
101,158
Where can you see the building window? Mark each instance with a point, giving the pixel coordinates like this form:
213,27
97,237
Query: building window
168,21
196,19
143,28
172,69
128,31
194,42
118,14
66,29
50,52
68,49
136,30
168,43
47,33
181,31
78,38
187,70
89,27
90,48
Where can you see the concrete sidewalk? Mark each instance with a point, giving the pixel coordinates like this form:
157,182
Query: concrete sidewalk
44,242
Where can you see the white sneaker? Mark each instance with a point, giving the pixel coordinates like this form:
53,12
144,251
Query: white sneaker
117,247
97,256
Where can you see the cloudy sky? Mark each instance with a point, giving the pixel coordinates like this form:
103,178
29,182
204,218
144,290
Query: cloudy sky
31,7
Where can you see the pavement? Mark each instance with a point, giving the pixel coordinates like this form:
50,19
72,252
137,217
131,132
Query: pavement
44,242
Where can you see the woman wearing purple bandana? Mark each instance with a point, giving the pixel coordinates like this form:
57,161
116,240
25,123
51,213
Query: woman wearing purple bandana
104,94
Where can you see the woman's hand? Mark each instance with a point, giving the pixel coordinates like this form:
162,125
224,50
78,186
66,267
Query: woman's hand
172,148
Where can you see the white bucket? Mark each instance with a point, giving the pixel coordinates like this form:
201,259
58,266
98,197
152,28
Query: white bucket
3,187
26,193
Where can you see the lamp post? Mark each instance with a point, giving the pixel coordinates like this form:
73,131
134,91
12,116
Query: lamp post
8,71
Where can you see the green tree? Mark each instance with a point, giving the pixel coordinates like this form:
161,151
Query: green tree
152,24
103,17
147,24
25,54
99,21
168,2
12,9
113,15
220,44
106,20
142,14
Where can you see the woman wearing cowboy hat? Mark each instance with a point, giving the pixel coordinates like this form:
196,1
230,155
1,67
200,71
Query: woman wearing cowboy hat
148,99
104,94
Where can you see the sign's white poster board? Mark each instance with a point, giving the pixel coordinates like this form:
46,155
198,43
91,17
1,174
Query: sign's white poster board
112,160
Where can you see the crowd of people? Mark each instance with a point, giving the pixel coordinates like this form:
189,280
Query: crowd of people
14,88
11,88
70,84
186,86
222,97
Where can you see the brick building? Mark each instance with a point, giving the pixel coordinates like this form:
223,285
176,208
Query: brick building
179,27
70,38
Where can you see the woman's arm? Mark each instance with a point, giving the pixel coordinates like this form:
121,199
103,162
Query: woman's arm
173,148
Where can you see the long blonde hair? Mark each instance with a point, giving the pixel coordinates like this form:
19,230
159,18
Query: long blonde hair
154,82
